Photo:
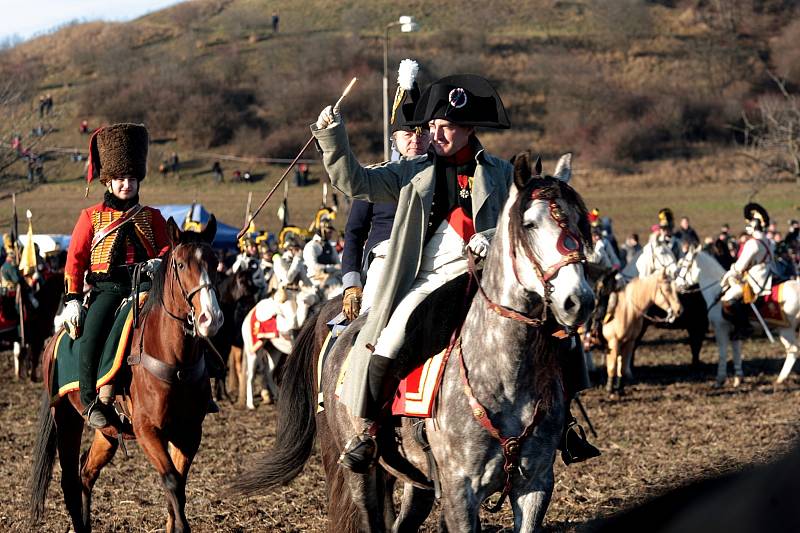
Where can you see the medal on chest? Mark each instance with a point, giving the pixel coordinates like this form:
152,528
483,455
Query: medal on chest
464,186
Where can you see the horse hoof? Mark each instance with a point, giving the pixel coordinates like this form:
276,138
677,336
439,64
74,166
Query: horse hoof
266,397
737,380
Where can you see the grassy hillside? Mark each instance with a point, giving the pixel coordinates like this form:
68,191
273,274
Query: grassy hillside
648,94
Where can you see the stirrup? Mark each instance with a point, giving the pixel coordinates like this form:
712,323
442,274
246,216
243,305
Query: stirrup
359,453
576,447
95,415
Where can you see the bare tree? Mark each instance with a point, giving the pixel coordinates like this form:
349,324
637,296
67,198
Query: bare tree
772,135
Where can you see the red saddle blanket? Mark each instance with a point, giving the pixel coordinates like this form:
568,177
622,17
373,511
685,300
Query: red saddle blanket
417,391
260,330
771,307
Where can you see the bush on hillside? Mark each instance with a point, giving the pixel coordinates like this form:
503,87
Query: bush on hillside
785,52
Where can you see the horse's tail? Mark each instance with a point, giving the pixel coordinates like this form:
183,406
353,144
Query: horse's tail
343,515
44,456
296,427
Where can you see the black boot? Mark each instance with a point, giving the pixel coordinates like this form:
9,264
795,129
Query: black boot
361,451
574,446
97,415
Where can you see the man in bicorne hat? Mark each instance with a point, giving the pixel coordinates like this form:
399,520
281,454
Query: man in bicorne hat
750,276
448,201
108,240
369,225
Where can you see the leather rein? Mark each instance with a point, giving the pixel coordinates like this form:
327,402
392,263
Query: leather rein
173,374
572,252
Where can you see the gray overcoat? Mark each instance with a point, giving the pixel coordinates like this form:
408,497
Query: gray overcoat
410,183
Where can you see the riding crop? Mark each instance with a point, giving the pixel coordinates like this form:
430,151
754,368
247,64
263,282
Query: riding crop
291,165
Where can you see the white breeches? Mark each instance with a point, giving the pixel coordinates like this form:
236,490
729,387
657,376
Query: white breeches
374,274
393,335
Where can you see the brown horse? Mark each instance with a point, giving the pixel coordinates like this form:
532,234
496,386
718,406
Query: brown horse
624,327
166,394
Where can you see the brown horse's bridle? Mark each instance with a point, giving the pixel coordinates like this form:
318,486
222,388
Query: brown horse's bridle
189,320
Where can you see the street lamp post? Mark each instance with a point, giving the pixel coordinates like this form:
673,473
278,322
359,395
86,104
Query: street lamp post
407,24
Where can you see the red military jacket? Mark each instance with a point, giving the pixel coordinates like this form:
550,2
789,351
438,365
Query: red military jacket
148,226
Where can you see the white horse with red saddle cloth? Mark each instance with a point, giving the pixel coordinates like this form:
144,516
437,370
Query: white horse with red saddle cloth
780,309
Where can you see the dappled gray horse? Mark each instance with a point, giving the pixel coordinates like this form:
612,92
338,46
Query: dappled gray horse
502,405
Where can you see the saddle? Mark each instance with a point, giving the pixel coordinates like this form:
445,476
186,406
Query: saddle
770,306
66,355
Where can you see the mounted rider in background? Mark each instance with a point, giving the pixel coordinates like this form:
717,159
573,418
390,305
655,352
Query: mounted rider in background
661,251
369,225
109,239
751,275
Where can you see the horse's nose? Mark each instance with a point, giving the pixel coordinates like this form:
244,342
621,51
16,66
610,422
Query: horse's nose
581,302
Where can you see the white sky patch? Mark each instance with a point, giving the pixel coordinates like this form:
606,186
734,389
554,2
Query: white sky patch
31,17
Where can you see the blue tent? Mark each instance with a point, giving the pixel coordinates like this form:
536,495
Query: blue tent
226,235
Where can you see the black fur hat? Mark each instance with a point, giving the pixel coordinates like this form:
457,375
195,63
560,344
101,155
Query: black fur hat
754,211
463,99
119,150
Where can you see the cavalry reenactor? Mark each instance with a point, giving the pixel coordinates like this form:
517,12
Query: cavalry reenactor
661,251
369,225
750,276
320,255
109,239
250,260
466,189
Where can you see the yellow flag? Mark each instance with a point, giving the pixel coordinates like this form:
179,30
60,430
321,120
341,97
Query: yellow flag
27,263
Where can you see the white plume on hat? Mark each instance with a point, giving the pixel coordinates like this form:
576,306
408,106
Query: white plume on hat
407,73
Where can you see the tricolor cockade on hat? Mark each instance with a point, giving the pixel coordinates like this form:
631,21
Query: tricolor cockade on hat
406,96
463,99
118,151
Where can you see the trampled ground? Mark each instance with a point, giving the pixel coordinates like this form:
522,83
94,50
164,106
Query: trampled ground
671,427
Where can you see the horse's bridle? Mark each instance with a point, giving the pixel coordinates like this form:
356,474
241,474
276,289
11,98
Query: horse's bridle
189,320
568,245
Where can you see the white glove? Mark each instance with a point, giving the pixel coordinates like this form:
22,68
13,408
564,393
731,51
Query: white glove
328,117
73,314
151,265
479,245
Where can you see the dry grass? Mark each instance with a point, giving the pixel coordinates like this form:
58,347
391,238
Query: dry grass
672,427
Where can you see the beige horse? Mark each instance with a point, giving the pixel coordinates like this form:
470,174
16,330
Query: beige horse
624,327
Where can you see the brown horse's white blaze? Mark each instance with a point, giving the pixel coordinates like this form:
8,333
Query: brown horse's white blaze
209,315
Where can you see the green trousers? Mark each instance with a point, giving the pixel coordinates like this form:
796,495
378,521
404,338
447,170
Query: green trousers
104,301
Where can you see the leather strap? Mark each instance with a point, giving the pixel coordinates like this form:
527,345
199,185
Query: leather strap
169,373
126,217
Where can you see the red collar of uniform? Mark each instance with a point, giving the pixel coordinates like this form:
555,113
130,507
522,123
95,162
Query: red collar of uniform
462,157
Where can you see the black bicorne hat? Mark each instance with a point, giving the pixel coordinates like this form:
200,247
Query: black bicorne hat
406,97
463,99
754,211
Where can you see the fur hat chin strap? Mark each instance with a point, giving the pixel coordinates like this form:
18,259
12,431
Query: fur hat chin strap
93,168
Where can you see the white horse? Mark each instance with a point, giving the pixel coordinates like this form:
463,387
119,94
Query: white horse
707,272
289,316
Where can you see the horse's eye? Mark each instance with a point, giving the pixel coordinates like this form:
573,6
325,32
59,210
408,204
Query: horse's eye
530,225
181,266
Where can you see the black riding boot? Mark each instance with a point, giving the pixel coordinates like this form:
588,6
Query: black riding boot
360,451
574,446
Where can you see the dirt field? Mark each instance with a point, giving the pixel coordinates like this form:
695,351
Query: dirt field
672,426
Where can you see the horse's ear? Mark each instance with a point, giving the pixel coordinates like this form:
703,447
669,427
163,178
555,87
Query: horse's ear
522,169
537,166
208,234
564,168
174,232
